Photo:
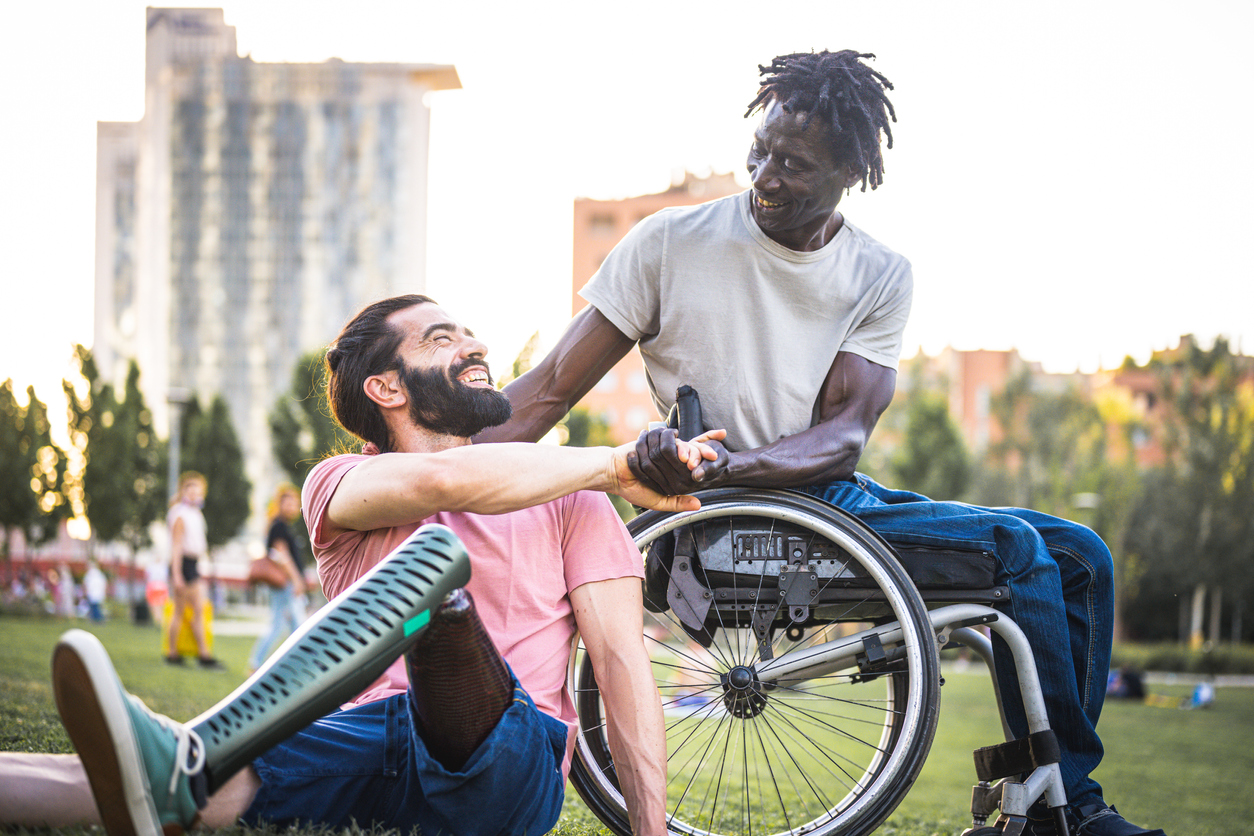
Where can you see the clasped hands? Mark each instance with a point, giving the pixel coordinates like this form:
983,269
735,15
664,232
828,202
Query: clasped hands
672,467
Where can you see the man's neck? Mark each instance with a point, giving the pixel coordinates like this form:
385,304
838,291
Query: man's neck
808,239
415,439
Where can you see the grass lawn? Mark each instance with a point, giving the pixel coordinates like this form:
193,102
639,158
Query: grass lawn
1184,771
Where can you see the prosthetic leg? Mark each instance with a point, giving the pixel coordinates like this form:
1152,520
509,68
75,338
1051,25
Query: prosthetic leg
344,648
460,684
150,774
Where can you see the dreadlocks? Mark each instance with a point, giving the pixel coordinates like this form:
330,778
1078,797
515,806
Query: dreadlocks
846,93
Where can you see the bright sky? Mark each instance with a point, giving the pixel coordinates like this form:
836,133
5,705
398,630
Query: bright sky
1067,177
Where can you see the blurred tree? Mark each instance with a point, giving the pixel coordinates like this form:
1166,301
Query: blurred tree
1195,526
210,446
32,472
1052,450
582,428
122,485
48,473
932,458
17,501
523,362
302,429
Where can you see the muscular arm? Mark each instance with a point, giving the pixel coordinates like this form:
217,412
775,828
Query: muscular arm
398,488
853,396
587,350
609,617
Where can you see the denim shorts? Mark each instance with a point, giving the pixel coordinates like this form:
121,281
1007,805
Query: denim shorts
369,765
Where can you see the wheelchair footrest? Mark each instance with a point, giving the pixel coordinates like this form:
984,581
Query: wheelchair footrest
1017,756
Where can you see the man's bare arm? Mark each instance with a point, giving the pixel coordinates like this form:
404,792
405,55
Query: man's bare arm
587,350
853,396
394,489
608,614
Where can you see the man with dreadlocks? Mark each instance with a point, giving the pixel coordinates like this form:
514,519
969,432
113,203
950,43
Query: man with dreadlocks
788,319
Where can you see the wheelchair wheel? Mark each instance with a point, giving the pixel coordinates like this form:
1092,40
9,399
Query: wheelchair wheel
833,754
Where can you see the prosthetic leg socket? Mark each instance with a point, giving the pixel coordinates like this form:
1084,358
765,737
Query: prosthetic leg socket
461,686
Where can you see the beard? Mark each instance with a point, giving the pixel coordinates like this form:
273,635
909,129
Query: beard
437,402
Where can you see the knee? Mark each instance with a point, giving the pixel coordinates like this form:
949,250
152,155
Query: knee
1093,551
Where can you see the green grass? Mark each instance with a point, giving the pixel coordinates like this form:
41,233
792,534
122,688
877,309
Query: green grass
1184,771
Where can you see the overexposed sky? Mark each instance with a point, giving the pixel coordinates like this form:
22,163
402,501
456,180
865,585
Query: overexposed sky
1067,177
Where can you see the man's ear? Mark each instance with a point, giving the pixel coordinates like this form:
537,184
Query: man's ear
852,178
385,390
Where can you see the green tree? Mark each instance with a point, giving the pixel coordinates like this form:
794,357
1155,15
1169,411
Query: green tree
1195,527
1052,450
17,500
582,428
32,471
122,489
210,446
932,458
302,430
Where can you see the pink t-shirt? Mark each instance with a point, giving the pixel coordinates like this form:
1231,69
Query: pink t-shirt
523,566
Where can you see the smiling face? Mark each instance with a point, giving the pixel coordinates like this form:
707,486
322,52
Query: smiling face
796,179
445,374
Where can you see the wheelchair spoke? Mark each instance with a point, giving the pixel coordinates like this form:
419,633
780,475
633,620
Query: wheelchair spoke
833,767
819,755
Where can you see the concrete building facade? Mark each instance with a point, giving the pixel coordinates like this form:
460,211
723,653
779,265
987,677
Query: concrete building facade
250,212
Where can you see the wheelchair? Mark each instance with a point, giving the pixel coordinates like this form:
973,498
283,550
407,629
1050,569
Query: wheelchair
796,655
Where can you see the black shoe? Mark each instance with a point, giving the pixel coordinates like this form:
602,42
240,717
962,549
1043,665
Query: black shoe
176,659
210,664
1096,819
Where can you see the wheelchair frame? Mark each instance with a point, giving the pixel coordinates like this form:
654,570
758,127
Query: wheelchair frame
772,731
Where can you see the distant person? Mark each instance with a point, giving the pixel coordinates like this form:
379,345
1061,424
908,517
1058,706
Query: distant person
95,586
1125,684
65,590
787,319
287,603
156,585
188,544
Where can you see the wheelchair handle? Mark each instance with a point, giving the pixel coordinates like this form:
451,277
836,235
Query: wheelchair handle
685,415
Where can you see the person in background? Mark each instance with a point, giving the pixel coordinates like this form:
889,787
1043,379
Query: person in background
188,544
95,585
287,603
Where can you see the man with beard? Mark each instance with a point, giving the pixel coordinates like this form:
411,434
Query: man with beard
464,724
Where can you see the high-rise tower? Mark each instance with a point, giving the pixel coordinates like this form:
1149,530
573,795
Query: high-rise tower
250,212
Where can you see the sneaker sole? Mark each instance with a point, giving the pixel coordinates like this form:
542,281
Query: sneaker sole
89,701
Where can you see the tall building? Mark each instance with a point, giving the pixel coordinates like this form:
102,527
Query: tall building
252,209
622,398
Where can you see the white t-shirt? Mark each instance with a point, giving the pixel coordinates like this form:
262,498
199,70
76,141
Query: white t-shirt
751,325
194,542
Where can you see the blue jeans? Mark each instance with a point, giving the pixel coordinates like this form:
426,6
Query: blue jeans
1061,580
282,620
369,765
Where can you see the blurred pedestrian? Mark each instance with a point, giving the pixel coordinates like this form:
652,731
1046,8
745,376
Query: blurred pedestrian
188,544
287,603
95,585
65,590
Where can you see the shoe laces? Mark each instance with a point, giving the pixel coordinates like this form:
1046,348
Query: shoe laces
189,753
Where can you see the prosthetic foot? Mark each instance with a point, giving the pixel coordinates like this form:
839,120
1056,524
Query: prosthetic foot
461,687
336,654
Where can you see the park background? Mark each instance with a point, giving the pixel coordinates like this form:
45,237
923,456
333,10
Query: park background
1069,181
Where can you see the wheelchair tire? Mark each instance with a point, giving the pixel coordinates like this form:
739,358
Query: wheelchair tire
832,756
